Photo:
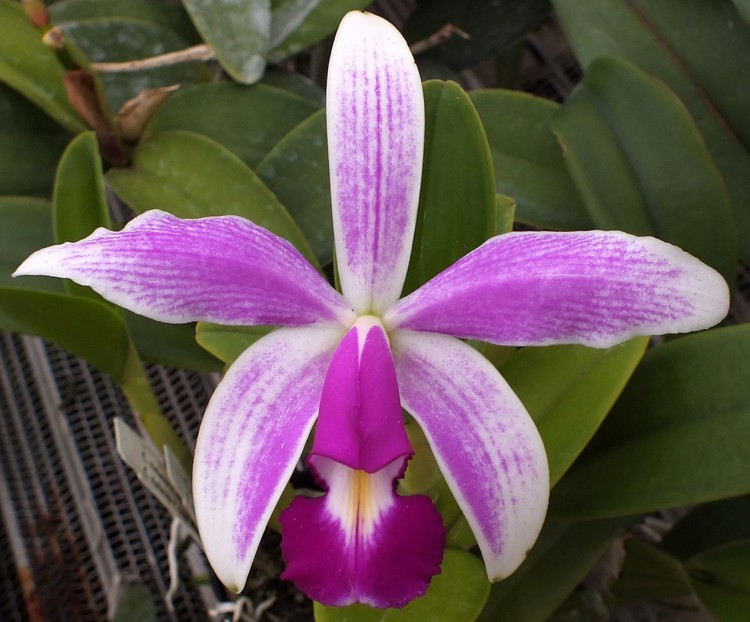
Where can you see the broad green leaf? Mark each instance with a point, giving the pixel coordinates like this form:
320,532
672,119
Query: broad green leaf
562,556
648,573
238,33
568,390
30,145
295,83
457,594
136,604
505,214
173,345
297,24
296,170
79,204
492,27
641,165
528,161
708,526
457,205
743,8
247,120
192,176
699,51
33,69
226,343
720,578
677,435
25,226
117,39
87,328
168,16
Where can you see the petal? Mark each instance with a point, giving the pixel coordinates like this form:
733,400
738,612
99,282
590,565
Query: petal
250,440
360,423
595,288
483,439
375,113
223,269
362,543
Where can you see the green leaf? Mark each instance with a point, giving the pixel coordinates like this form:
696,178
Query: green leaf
562,556
641,165
295,83
492,27
720,578
30,145
192,176
172,345
648,573
296,170
743,8
699,51
247,120
25,226
168,16
135,604
226,343
238,33
117,39
457,206
457,594
677,435
708,526
568,390
87,328
33,69
505,214
528,161
297,24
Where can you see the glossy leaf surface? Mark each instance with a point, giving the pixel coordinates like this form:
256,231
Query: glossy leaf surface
720,578
296,170
641,165
238,33
457,210
677,435
528,160
458,593
247,120
226,343
192,176
698,52
569,390
33,69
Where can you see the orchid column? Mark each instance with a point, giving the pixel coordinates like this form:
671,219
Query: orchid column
352,360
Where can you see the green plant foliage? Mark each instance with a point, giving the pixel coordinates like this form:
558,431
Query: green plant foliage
295,83
170,16
226,343
641,165
297,24
677,435
720,578
568,390
296,170
33,69
25,226
247,120
528,160
136,604
505,214
237,32
457,208
492,27
116,39
457,594
30,145
562,556
648,573
699,51
192,176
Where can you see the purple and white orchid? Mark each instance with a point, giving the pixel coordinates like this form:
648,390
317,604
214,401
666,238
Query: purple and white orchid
351,361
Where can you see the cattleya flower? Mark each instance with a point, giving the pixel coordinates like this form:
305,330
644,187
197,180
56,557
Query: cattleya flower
351,361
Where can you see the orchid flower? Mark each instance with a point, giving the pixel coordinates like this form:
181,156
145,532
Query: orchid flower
351,361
